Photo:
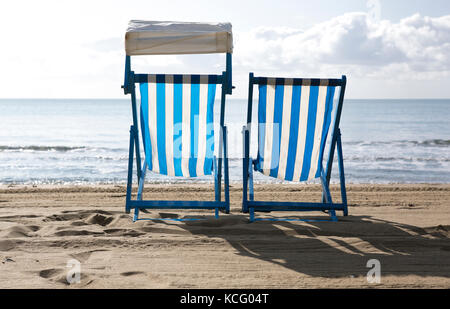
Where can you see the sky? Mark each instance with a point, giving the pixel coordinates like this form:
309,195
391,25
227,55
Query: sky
75,49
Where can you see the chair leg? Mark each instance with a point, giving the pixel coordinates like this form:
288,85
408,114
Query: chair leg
252,214
248,190
249,187
327,195
219,168
342,174
245,175
226,171
216,180
141,185
250,182
130,170
136,214
244,187
251,190
142,181
216,186
338,144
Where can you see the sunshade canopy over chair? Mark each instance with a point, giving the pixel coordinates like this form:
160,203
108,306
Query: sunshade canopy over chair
177,111
169,38
294,118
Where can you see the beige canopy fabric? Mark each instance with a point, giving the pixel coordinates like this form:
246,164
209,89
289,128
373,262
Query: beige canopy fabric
170,38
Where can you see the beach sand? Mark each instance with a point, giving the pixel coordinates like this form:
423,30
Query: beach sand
405,227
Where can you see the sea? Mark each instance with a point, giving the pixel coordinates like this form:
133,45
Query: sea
85,142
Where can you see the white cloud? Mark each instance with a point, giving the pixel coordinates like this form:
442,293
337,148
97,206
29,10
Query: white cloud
417,47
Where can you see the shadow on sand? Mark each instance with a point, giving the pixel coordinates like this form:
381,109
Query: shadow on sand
334,250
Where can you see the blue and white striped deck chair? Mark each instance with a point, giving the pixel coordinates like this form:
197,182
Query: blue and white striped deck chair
176,112
294,117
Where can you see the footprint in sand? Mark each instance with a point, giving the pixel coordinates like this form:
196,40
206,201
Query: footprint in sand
7,245
76,215
123,232
16,218
132,273
65,217
50,273
33,228
86,255
77,233
20,231
100,219
79,223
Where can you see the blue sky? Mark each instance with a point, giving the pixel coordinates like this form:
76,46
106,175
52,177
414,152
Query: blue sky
387,48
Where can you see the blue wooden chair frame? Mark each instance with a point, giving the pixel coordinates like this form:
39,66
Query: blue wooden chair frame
249,205
134,152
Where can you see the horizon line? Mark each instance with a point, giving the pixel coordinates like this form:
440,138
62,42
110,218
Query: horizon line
125,98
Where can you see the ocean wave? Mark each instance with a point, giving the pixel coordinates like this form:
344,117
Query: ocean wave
435,142
56,148
395,159
40,148
425,143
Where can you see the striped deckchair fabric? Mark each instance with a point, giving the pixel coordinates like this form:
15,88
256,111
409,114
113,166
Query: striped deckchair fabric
294,120
294,117
177,123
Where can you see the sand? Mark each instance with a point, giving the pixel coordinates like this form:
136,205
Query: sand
405,227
